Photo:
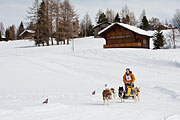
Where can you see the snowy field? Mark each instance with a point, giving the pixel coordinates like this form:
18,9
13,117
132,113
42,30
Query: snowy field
29,75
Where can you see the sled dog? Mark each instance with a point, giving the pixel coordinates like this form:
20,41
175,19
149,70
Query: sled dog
136,92
107,95
121,93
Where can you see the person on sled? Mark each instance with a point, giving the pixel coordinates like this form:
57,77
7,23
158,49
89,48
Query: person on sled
128,80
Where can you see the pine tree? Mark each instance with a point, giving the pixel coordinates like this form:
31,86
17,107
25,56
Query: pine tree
117,18
102,18
7,34
20,30
158,39
144,24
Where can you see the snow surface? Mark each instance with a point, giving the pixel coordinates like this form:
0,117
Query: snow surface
28,75
132,28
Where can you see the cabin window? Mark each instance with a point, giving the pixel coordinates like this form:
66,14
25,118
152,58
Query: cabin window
144,42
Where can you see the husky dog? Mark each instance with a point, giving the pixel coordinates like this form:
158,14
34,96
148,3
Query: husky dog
107,95
121,93
136,92
113,93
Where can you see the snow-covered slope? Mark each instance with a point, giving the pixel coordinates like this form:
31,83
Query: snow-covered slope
28,75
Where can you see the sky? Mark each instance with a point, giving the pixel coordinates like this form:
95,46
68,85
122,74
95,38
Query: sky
15,11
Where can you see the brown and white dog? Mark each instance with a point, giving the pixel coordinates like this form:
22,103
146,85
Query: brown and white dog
113,93
136,92
108,94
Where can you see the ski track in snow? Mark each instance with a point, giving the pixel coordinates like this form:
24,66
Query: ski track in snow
31,74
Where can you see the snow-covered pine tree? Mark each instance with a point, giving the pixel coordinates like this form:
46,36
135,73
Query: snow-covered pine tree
158,39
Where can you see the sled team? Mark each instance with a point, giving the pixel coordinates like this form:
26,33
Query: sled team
129,91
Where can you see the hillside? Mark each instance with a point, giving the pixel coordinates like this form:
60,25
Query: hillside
31,74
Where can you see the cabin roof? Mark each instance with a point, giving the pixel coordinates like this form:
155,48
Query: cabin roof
29,31
101,24
129,27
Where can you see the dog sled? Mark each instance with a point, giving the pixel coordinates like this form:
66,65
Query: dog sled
128,93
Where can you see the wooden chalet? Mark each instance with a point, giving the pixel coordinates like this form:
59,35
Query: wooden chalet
119,35
100,27
27,34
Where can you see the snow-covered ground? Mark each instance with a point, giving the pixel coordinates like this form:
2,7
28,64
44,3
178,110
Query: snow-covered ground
29,75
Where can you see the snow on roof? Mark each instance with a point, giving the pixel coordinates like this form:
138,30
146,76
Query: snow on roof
2,36
102,23
29,31
132,28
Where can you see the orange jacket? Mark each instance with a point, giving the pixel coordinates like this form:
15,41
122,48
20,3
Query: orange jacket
132,78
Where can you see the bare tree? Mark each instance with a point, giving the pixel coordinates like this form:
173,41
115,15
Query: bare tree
88,22
125,11
154,23
51,18
33,18
76,28
60,35
2,30
132,19
176,19
128,16
12,33
67,15
82,28
110,14
172,37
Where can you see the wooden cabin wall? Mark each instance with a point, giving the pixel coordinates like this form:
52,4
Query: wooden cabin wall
122,37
